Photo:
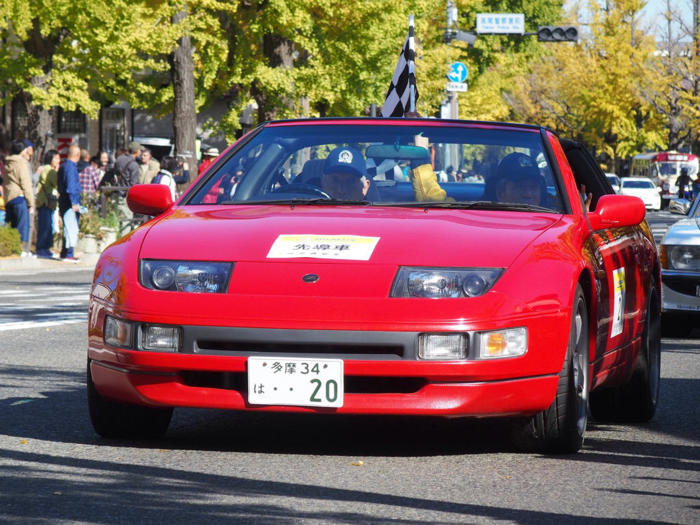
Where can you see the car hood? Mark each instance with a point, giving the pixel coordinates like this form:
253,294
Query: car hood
685,231
405,236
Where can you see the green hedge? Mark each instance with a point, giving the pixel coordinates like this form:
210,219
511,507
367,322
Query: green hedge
10,243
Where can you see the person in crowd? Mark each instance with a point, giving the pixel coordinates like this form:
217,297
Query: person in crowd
69,202
170,174
90,177
46,202
684,183
127,165
28,154
84,161
149,167
18,194
104,163
2,198
344,175
209,155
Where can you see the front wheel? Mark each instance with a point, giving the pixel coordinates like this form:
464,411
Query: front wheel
112,419
560,428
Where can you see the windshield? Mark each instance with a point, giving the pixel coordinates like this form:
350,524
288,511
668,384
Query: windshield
668,168
638,184
386,165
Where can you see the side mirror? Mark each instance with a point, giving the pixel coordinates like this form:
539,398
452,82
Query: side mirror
149,199
615,211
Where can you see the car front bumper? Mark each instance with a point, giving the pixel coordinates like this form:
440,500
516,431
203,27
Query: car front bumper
382,374
680,291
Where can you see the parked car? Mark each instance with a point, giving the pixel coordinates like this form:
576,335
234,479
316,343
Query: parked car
159,146
614,181
644,189
288,278
680,272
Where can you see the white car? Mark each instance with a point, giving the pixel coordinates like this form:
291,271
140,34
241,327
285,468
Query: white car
643,188
614,181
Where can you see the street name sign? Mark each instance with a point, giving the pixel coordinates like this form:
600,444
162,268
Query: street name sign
500,23
456,86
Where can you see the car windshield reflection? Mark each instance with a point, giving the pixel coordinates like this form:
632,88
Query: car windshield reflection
390,165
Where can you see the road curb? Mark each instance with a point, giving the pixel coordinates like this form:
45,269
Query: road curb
17,263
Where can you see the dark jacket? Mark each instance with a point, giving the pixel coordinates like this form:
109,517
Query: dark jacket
129,169
69,188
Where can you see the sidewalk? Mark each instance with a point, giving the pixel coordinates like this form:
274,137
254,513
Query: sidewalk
16,263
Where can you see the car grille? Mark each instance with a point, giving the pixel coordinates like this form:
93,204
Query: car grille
353,384
257,348
682,284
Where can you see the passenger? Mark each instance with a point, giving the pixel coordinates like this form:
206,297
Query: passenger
344,175
525,186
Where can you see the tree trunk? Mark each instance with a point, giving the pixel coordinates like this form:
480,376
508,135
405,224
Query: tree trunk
184,113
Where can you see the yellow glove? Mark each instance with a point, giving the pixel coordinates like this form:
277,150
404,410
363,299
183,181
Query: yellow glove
425,185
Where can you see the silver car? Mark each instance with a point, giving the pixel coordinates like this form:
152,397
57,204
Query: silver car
680,270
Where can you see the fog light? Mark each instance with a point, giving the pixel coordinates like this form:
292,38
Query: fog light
117,332
510,342
159,338
442,346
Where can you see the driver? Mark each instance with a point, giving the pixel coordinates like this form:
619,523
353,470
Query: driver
344,175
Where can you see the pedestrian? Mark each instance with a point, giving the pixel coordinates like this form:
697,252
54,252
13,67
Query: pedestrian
90,178
128,166
84,161
18,194
128,171
170,174
28,153
209,155
46,203
149,167
69,202
683,182
104,163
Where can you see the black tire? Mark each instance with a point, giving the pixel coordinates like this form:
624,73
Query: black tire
674,325
560,429
636,400
112,419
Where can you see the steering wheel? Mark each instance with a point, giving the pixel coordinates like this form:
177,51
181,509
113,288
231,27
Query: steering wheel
303,188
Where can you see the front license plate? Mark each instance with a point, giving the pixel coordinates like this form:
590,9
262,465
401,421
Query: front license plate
295,381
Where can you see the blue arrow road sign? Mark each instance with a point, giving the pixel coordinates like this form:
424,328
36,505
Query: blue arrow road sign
458,72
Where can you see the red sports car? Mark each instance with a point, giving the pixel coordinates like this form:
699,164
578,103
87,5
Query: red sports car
383,266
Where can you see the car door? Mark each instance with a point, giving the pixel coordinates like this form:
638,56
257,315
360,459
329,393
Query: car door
617,261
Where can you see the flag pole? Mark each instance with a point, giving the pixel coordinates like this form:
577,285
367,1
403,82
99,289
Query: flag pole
412,99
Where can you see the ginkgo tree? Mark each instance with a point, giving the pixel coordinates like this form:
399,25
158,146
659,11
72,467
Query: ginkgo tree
75,54
591,90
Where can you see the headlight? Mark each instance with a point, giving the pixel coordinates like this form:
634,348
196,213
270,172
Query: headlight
185,276
680,257
440,283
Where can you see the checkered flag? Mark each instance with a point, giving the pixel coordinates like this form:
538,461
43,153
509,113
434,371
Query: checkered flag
403,93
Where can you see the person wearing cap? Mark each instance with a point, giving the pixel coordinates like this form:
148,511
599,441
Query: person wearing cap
344,175
209,155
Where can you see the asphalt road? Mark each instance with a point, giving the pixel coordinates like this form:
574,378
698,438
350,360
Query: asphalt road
219,467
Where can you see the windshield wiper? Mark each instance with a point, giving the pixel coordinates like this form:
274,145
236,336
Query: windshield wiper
297,200
473,205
